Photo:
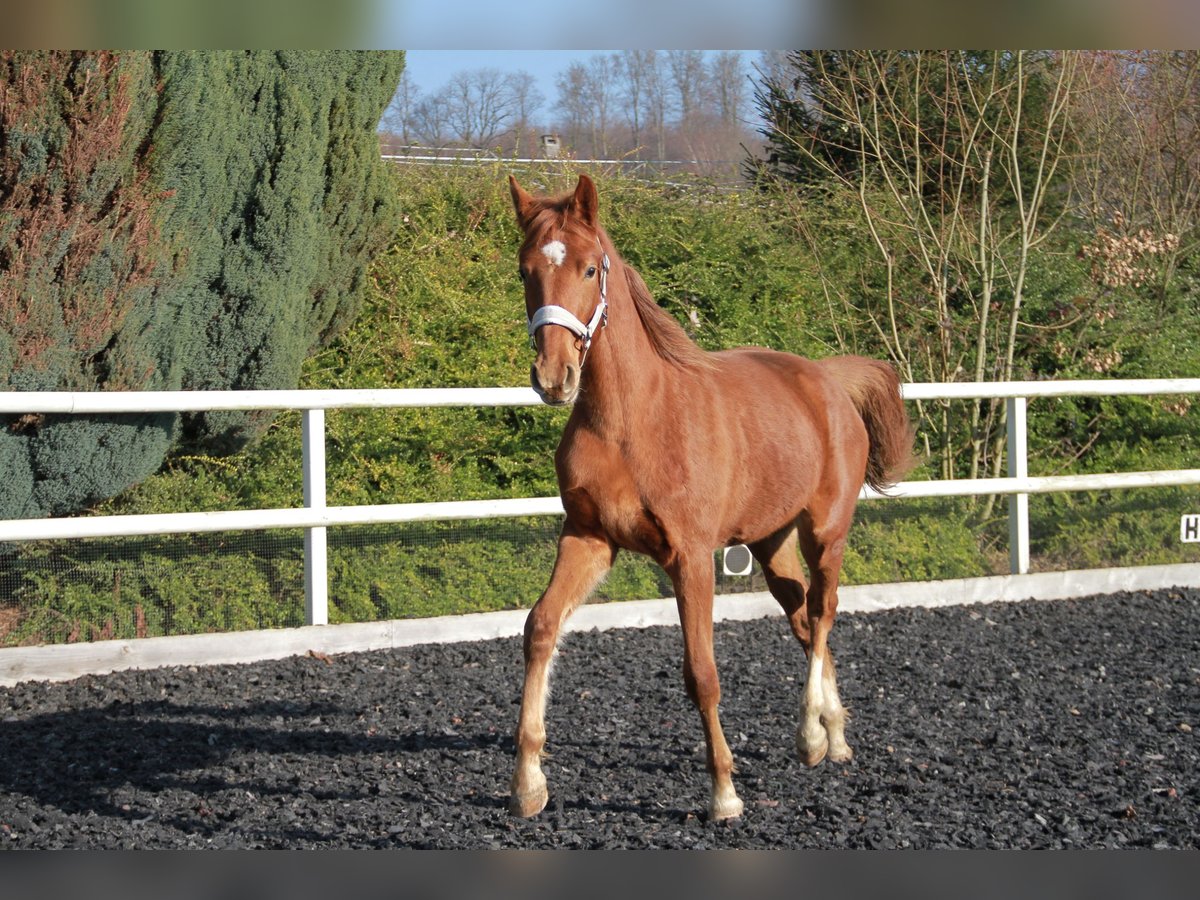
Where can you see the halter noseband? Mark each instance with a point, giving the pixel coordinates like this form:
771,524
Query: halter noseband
557,315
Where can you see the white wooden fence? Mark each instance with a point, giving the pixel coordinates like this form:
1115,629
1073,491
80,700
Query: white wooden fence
315,516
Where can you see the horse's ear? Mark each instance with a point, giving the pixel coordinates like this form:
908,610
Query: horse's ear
522,201
585,202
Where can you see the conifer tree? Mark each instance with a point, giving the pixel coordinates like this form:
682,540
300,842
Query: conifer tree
79,253
174,220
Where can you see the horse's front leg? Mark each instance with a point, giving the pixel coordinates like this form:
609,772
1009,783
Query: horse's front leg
692,576
582,561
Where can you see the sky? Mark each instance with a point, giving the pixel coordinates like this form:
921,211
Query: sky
771,24
619,24
426,25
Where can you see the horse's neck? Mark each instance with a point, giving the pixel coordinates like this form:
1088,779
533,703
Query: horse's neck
623,375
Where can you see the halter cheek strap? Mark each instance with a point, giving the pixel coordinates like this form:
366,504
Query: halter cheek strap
557,315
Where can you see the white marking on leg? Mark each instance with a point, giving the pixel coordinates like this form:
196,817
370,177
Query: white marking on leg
814,690
833,717
528,787
556,252
548,682
811,740
725,803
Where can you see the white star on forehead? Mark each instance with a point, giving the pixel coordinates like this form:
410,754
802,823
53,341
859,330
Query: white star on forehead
556,252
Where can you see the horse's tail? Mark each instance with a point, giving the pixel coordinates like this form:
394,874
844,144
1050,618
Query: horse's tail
874,388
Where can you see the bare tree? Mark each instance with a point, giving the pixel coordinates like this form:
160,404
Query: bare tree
572,102
772,68
656,102
1138,184
475,108
429,120
727,75
689,77
398,119
527,100
953,164
601,86
635,74
666,99
480,106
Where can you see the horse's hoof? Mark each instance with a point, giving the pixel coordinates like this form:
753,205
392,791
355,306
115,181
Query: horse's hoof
842,754
528,805
530,801
728,808
811,753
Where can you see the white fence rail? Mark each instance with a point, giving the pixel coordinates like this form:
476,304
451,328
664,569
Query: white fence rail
315,516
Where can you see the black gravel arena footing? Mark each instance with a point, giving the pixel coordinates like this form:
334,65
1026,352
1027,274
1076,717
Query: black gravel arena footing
1035,724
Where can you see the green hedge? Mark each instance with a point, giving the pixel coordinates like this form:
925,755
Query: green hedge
443,307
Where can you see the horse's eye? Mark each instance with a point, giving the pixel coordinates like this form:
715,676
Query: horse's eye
591,272
521,274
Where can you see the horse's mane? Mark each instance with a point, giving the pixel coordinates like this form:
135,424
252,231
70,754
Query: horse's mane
667,336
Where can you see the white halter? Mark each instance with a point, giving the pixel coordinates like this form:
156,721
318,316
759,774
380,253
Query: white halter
556,315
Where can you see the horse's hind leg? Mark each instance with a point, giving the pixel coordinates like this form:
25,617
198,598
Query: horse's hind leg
823,726
582,561
780,561
785,579
692,576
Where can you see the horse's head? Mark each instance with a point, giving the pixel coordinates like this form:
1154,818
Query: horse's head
565,269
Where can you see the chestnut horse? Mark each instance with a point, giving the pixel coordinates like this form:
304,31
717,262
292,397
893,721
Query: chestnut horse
672,451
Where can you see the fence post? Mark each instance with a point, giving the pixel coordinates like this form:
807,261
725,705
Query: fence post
1018,504
316,565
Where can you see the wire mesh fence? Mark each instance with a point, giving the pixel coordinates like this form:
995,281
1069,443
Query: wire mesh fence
1098,529
116,588
94,589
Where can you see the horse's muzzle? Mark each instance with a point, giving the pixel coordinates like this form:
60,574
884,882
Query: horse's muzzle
555,389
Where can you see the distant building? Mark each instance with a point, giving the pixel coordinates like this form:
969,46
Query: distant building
551,146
